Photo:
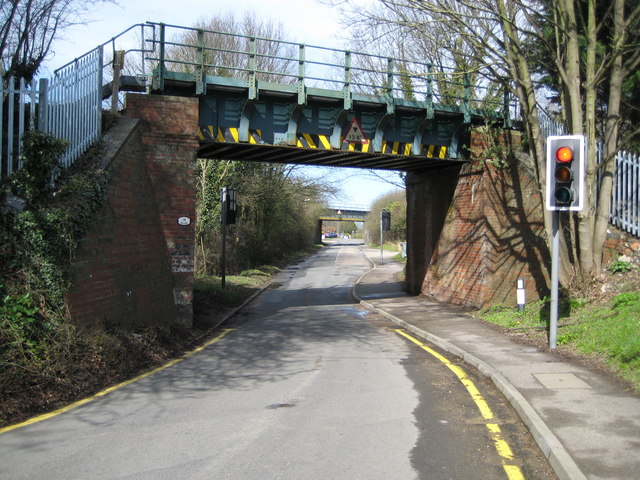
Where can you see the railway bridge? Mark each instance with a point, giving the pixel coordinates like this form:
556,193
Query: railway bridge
228,96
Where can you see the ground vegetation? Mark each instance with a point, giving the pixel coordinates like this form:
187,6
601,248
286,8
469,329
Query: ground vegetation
599,323
395,203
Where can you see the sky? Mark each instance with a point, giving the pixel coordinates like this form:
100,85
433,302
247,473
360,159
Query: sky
305,21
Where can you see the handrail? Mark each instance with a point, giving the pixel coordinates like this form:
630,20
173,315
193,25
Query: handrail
102,45
355,72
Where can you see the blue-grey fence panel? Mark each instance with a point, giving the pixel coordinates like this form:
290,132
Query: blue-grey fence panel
18,102
74,104
625,205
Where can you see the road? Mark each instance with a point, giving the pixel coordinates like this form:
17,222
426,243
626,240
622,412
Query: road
303,384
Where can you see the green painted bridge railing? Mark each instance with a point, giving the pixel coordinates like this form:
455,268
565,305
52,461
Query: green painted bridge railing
188,54
162,57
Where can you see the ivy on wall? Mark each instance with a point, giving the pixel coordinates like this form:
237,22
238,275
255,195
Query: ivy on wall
37,243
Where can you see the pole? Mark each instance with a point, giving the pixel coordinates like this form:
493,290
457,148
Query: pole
118,65
223,257
381,240
555,249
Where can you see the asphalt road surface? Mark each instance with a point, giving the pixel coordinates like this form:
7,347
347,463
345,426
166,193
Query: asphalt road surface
305,385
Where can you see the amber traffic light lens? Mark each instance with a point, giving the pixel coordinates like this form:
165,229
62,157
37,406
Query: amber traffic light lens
563,174
564,154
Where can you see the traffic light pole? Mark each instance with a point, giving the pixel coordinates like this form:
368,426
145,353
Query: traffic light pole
381,240
223,256
555,249
564,191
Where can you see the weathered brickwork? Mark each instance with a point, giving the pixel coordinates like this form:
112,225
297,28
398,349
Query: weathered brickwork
492,235
135,267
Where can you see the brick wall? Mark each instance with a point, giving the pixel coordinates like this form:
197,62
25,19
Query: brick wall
428,198
135,267
493,234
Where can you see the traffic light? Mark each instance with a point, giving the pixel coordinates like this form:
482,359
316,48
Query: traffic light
565,172
229,206
385,219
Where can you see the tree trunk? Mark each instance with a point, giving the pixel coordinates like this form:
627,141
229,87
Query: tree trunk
607,169
586,216
525,91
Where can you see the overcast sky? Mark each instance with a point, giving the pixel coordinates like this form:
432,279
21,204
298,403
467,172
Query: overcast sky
305,21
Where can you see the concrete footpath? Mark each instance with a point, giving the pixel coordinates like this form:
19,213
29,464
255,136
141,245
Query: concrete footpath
586,422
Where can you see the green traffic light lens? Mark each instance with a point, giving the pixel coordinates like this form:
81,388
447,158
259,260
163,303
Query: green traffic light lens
563,196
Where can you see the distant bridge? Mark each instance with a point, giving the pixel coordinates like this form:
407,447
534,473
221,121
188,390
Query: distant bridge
345,214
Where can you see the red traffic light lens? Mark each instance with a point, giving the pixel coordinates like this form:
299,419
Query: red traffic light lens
564,154
563,174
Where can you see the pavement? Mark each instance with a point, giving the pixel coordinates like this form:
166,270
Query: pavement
587,423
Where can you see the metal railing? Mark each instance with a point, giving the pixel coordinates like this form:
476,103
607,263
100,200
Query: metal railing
72,106
256,61
18,113
625,204
69,105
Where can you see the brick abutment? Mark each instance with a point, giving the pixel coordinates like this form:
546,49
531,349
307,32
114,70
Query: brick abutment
135,266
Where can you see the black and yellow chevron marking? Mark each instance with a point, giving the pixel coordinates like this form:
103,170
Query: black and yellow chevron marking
306,140
321,142
400,148
434,151
396,148
356,147
227,134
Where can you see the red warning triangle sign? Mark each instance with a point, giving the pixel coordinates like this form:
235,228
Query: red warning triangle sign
355,133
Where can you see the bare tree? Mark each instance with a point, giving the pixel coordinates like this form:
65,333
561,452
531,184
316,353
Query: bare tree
227,54
30,26
493,37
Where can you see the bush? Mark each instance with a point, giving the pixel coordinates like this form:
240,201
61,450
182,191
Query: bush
39,157
20,325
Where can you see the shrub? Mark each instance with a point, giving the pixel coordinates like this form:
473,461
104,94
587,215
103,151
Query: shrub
39,157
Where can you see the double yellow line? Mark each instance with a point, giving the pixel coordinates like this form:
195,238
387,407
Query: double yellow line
502,447
102,393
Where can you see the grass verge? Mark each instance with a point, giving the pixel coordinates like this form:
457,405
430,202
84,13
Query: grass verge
237,289
610,333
